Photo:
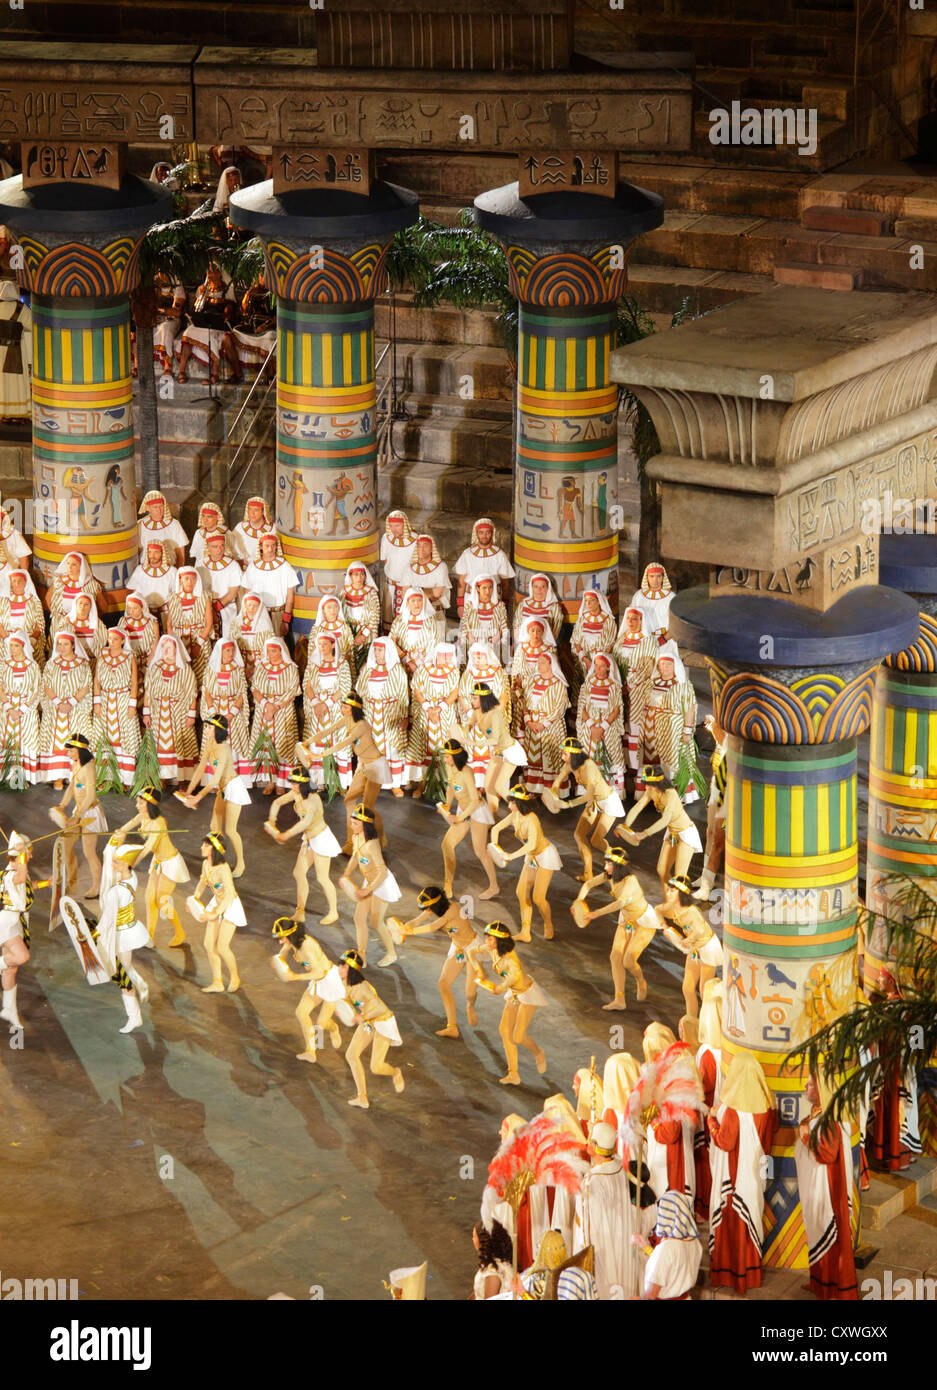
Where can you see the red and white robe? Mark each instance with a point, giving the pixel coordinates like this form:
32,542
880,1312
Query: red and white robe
670,1157
386,702
170,700
362,609
708,1066
740,1143
325,685
67,712
115,718
431,722
26,614
20,689
545,703
597,731
825,1183
219,691
188,614
279,686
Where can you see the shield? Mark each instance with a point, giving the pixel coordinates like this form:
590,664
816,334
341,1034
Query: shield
79,933
57,879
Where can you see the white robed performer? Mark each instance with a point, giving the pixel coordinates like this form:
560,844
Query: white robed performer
158,524
275,580
397,545
605,1217
653,599
255,523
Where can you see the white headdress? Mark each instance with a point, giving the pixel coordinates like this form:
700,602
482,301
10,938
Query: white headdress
5,588
62,567
391,655
603,603
222,193
670,649
369,582
425,614
214,661
523,636
555,664
180,656
614,675
188,569
272,641
486,650
144,606
261,622
471,589
71,611
81,650
551,595
441,649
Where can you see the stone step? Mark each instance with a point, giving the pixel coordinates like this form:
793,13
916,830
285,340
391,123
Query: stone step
818,277
851,221
917,228
896,195
451,411
703,186
480,443
423,488
834,141
450,369
891,1194
467,327
663,288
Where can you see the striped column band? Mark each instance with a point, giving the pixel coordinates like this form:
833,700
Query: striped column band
790,921
326,468
83,446
567,451
902,836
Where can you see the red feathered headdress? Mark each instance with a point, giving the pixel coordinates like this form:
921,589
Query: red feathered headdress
671,1085
541,1152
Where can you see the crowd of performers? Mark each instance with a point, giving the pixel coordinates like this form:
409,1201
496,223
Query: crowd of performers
502,729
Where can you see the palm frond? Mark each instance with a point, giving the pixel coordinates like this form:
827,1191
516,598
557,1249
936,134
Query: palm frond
106,769
146,773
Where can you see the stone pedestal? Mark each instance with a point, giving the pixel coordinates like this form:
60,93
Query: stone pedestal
79,252
325,258
903,747
567,256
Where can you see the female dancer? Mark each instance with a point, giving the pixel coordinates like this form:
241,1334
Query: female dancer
222,915
434,691
594,630
324,984
190,618
541,859
522,997
361,606
695,938
87,818
681,838
229,787
438,912
378,885
275,687
601,803
20,687
167,866
224,691
66,706
599,717
472,814
487,722
114,703
141,627
372,771
326,682
169,705
377,1029
317,847
637,923
382,686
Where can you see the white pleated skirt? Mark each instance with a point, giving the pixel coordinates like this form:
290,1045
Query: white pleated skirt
389,890
236,792
174,868
323,843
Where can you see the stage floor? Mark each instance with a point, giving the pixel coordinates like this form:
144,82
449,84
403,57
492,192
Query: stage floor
197,1158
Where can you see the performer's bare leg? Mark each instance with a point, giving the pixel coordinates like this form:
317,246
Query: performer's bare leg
360,1041
506,1029
525,1014
304,1011
301,879
378,912
89,847
232,814
541,902
321,863
691,974
352,798
479,835
166,906
379,1064
665,861
447,978
524,884
362,914
14,954
453,836
225,936
617,958
151,903
639,938
682,858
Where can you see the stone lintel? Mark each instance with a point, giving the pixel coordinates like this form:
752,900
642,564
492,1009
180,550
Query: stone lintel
281,96
804,340
86,92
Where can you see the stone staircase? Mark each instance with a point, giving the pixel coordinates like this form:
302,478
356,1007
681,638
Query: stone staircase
891,1195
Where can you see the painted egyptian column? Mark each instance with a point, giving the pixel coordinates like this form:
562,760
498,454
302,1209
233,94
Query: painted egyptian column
567,252
326,253
778,420
78,259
